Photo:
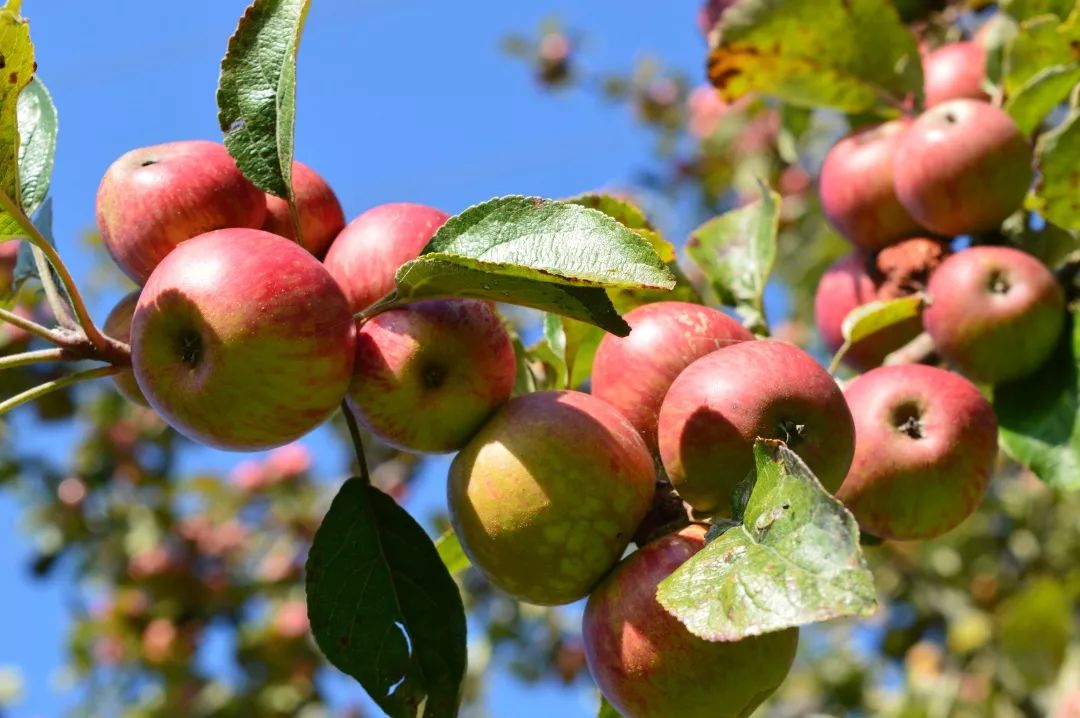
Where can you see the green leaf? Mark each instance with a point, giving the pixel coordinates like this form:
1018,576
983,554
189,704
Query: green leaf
18,54
1039,415
606,710
1042,42
26,264
571,348
1056,196
852,55
1042,92
555,340
525,380
256,93
1050,244
736,251
795,560
37,144
451,553
1033,628
621,210
1024,9
873,317
551,241
384,608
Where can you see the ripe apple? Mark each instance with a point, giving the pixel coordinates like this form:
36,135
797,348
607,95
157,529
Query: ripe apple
954,71
367,253
427,376
154,198
647,664
546,496
723,401
925,447
242,340
118,326
633,373
996,313
962,167
9,254
321,216
856,188
858,278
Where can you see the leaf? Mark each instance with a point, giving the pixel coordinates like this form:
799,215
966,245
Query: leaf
1042,42
1023,9
37,144
1057,193
18,54
256,93
555,340
873,317
606,710
451,553
572,345
795,560
736,251
384,608
525,380
551,241
26,265
852,55
1039,415
621,210
1045,241
1040,94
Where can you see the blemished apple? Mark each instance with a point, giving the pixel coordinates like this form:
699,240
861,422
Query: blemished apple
857,191
321,216
954,71
242,340
153,198
962,167
428,375
647,664
858,278
996,313
722,402
633,373
925,448
366,255
118,326
546,497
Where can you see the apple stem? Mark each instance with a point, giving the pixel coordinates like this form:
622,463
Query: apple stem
358,443
32,327
50,386
35,357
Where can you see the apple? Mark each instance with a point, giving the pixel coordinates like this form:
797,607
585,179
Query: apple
856,188
925,448
118,326
954,71
858,278
9,255
545,497
996,313
633,373
367,253
722,402
962,167
647,664
242,340
321,216
427,376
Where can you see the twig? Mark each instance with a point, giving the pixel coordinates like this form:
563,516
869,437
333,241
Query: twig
357,440
51,386
29,325
60,308
36,357
920,350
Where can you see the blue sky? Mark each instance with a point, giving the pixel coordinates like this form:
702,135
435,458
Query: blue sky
398,100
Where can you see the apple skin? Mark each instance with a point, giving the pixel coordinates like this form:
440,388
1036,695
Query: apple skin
366,255
9,255
719,404
925,448
647,664
546,496
954,71
321,216
153,198
118,326
996,313
242,340
858,278
633,373
857,191
962,167
427,376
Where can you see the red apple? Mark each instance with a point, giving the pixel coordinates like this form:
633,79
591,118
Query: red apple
367,253
547,495
321,217
962,167
925,447
722,402
118,326
856,188
9,254
954,71
242,340
647,664
154,198
427,376
996,313
633,373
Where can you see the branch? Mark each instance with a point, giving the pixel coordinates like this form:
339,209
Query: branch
357,440
29,325
36,357
51,386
